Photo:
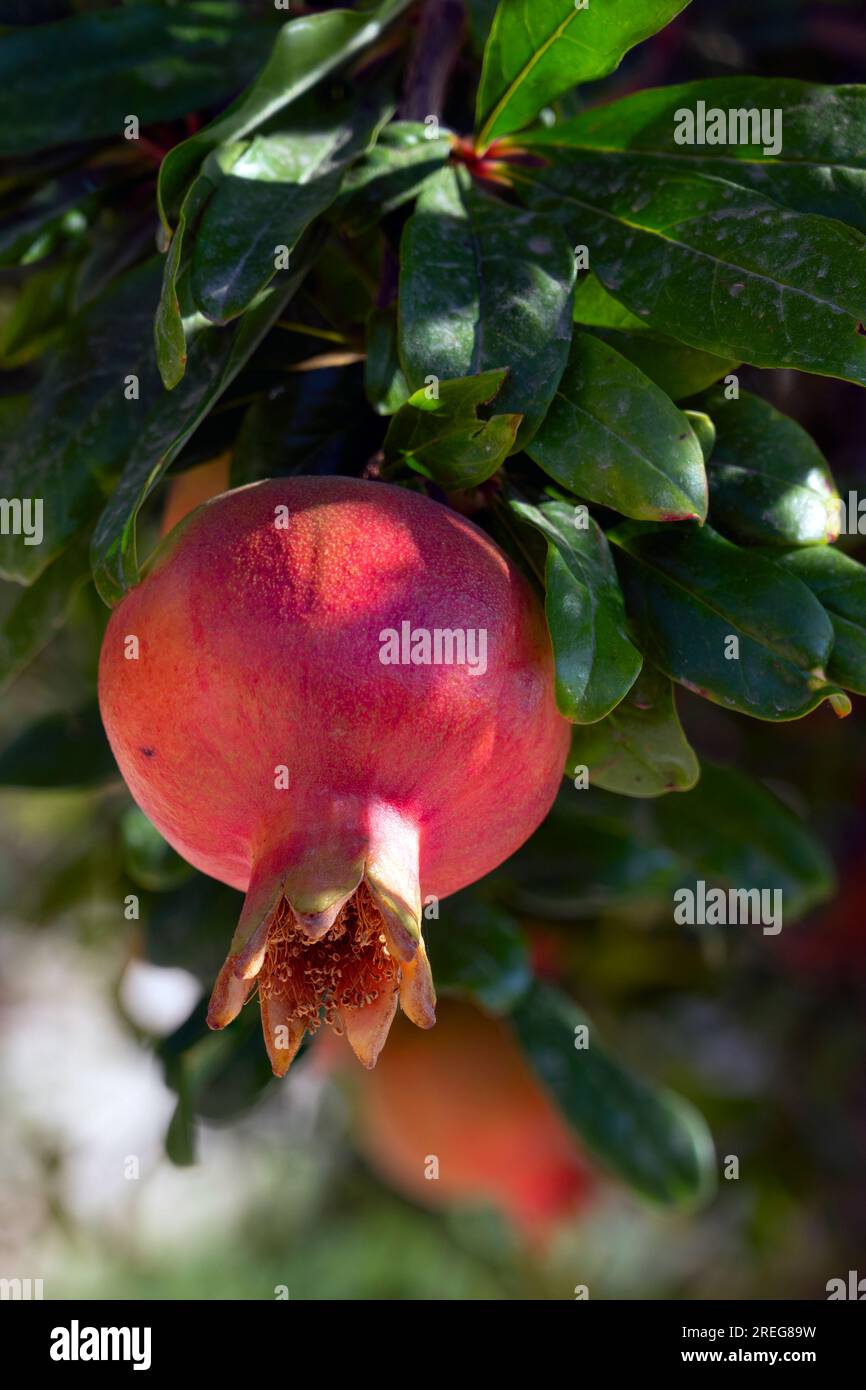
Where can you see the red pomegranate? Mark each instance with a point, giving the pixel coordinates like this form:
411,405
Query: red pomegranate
336,695
461,1118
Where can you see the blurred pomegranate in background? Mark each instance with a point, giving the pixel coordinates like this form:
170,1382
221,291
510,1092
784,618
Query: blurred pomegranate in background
188,490
456,1116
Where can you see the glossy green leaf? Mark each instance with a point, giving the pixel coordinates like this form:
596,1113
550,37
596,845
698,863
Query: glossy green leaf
734,833
538,49
680,371
715,265
640,748
596,662
689,592
483,286
30,617
270,192
72,443
306,49
769,482
651,1138
79,78
478,949
168,329
165,424
59,750
839,583
443,438
819,167
384,381
390,174
677,370
612,436
704,431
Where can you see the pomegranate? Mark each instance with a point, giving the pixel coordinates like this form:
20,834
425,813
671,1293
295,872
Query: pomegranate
272,695
466,1102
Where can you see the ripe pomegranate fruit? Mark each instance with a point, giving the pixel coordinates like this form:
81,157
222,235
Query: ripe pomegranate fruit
255,695
467,1099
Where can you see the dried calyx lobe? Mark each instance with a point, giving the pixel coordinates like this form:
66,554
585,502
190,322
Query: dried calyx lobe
347,967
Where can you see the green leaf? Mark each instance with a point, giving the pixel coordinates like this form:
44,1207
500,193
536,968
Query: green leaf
442,437
598,852
306,49
168,328
677,370
640,748
78,79
59,750
270,192
680,371
384,381
30,617
596,662
538,49
769,482
216,355
80,427
217,1075
734,833
479,950
712,264
150,860
483,286
820,168
39,313
190,926
689,592
595,851
651,1138
704,431
839,584
181,1145
57,212
392,173
612,436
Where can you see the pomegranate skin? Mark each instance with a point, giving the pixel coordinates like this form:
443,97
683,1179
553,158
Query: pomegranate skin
261,733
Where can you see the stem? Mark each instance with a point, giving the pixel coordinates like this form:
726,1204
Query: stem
435,50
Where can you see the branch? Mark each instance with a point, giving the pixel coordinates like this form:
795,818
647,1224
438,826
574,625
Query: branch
435,50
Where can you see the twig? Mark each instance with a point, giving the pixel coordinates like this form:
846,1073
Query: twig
435,50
